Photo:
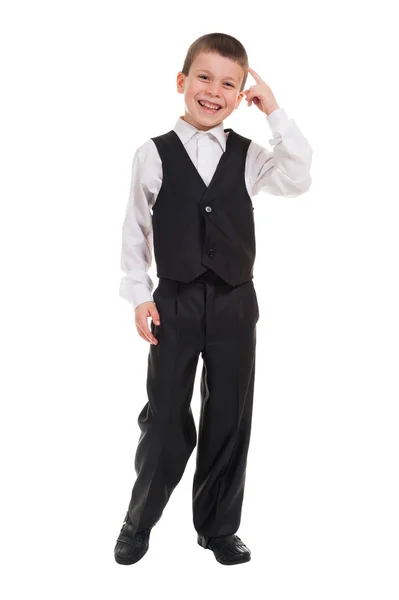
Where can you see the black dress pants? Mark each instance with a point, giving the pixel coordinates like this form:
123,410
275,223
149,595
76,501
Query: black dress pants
209,317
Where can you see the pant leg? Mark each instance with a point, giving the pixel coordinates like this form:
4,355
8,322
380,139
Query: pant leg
227,386
168,433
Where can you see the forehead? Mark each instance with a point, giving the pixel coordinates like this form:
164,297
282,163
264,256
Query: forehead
217,65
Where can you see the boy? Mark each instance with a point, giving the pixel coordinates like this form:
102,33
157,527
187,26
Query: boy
199,179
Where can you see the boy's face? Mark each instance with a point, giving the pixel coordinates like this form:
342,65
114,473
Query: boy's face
214,79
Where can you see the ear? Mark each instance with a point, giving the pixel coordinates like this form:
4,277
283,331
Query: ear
180,80
239,98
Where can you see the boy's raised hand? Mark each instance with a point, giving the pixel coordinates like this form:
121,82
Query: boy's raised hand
141,314
261,95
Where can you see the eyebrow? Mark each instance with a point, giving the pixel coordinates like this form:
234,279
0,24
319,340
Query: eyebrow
206,71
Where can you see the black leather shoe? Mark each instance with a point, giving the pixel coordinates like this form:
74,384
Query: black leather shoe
131,547
228,549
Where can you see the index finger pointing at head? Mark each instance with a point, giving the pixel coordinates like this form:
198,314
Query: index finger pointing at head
254,74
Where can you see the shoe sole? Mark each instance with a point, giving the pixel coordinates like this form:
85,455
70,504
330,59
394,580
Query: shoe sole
222,562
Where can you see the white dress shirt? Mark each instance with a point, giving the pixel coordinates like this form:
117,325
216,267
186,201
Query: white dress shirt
284,171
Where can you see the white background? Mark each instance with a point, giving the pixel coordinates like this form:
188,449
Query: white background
84,84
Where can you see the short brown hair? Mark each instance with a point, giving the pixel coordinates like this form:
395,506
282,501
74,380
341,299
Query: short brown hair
221,43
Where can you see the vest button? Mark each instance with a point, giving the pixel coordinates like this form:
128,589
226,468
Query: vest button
208,209
211,252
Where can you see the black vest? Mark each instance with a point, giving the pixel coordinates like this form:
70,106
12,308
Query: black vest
195,227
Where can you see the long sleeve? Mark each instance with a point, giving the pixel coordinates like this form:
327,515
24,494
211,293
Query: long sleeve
284,171
136,257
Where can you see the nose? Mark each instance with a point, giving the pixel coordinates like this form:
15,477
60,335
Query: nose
214,89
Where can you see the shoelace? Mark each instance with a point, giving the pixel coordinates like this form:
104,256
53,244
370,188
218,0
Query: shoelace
219,542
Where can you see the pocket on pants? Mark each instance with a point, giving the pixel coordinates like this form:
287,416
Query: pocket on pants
255,297
155,293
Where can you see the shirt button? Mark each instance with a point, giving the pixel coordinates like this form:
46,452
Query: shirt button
208,209
211,252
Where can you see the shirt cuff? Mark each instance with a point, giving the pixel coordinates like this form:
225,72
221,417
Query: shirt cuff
135,294
278,121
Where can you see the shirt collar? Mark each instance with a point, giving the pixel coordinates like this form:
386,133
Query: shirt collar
185,131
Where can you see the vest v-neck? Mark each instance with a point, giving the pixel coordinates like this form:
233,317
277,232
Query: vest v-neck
222,158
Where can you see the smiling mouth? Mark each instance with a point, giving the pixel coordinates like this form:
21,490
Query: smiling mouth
207,109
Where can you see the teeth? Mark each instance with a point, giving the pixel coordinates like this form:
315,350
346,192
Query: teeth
207,105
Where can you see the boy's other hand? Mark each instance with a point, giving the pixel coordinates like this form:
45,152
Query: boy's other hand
141,314
261,95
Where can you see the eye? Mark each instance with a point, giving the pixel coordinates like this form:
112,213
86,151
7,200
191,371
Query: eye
206,77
